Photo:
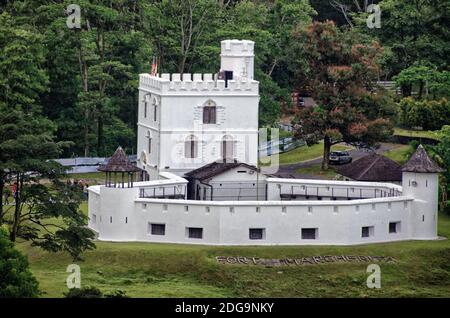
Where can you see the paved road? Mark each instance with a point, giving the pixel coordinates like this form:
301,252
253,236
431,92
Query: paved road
289,170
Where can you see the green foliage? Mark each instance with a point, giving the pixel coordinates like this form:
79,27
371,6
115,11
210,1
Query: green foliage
22,75
413,31
341,68
93,292
85,292
45,212
442,152
427,114
16,279
425,80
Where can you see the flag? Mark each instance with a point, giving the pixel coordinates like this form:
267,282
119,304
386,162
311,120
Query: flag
154,66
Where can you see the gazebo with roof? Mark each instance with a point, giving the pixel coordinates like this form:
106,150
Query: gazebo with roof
119,164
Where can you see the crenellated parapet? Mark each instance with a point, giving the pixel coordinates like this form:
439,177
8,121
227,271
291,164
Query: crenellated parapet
187,84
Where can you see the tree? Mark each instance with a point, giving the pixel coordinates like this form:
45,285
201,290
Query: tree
342,71
45,213
426,114
22,76
442,152
183,31
425,79
413,31
16,279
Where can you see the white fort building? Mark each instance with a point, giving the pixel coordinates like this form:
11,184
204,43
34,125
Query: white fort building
197,157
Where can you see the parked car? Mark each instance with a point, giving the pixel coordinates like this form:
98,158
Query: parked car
340,157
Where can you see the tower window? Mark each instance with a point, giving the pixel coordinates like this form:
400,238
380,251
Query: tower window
227,148
149,142
209,112
190,147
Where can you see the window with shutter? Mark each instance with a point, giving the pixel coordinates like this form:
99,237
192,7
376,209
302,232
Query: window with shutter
227,147
149,139
190,147
209,112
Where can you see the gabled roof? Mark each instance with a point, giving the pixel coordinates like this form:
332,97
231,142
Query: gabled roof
215,168
119,162
421,162
373,167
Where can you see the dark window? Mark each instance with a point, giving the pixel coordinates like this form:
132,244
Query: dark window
209,114
155,111
309,234
195,232
149,140
190,147
394,227
158,229
227,148
256,234
366,231
145,109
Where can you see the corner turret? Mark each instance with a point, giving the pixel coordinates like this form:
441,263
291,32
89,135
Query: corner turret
420,180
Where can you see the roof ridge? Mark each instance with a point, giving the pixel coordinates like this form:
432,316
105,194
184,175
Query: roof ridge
371,165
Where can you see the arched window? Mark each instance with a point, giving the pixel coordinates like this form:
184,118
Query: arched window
227,148
190,147
149,142
155,109
146,100
209,112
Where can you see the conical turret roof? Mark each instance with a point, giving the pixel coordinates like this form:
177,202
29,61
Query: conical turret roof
421,162
119,162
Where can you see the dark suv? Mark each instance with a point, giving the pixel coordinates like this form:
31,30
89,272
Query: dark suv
340,157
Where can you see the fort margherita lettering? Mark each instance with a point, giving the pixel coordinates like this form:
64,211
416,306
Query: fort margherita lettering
300,261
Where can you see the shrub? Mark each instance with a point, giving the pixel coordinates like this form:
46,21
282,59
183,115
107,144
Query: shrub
16,280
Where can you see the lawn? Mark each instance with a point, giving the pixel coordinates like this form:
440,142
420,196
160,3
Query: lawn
316,171
400,153
90,177
305,153
414,133
171,270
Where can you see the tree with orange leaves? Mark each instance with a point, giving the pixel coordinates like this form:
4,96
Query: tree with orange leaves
341,71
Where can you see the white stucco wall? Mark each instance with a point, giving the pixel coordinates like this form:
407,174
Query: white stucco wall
338,222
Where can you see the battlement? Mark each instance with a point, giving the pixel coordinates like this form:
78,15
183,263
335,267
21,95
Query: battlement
197,83
237,48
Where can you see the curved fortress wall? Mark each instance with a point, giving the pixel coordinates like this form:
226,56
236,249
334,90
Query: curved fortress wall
122,215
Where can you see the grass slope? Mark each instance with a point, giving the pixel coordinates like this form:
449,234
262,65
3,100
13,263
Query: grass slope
307,153
400,153
414,133
171,270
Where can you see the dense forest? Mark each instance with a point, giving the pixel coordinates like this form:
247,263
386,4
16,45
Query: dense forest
84,80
